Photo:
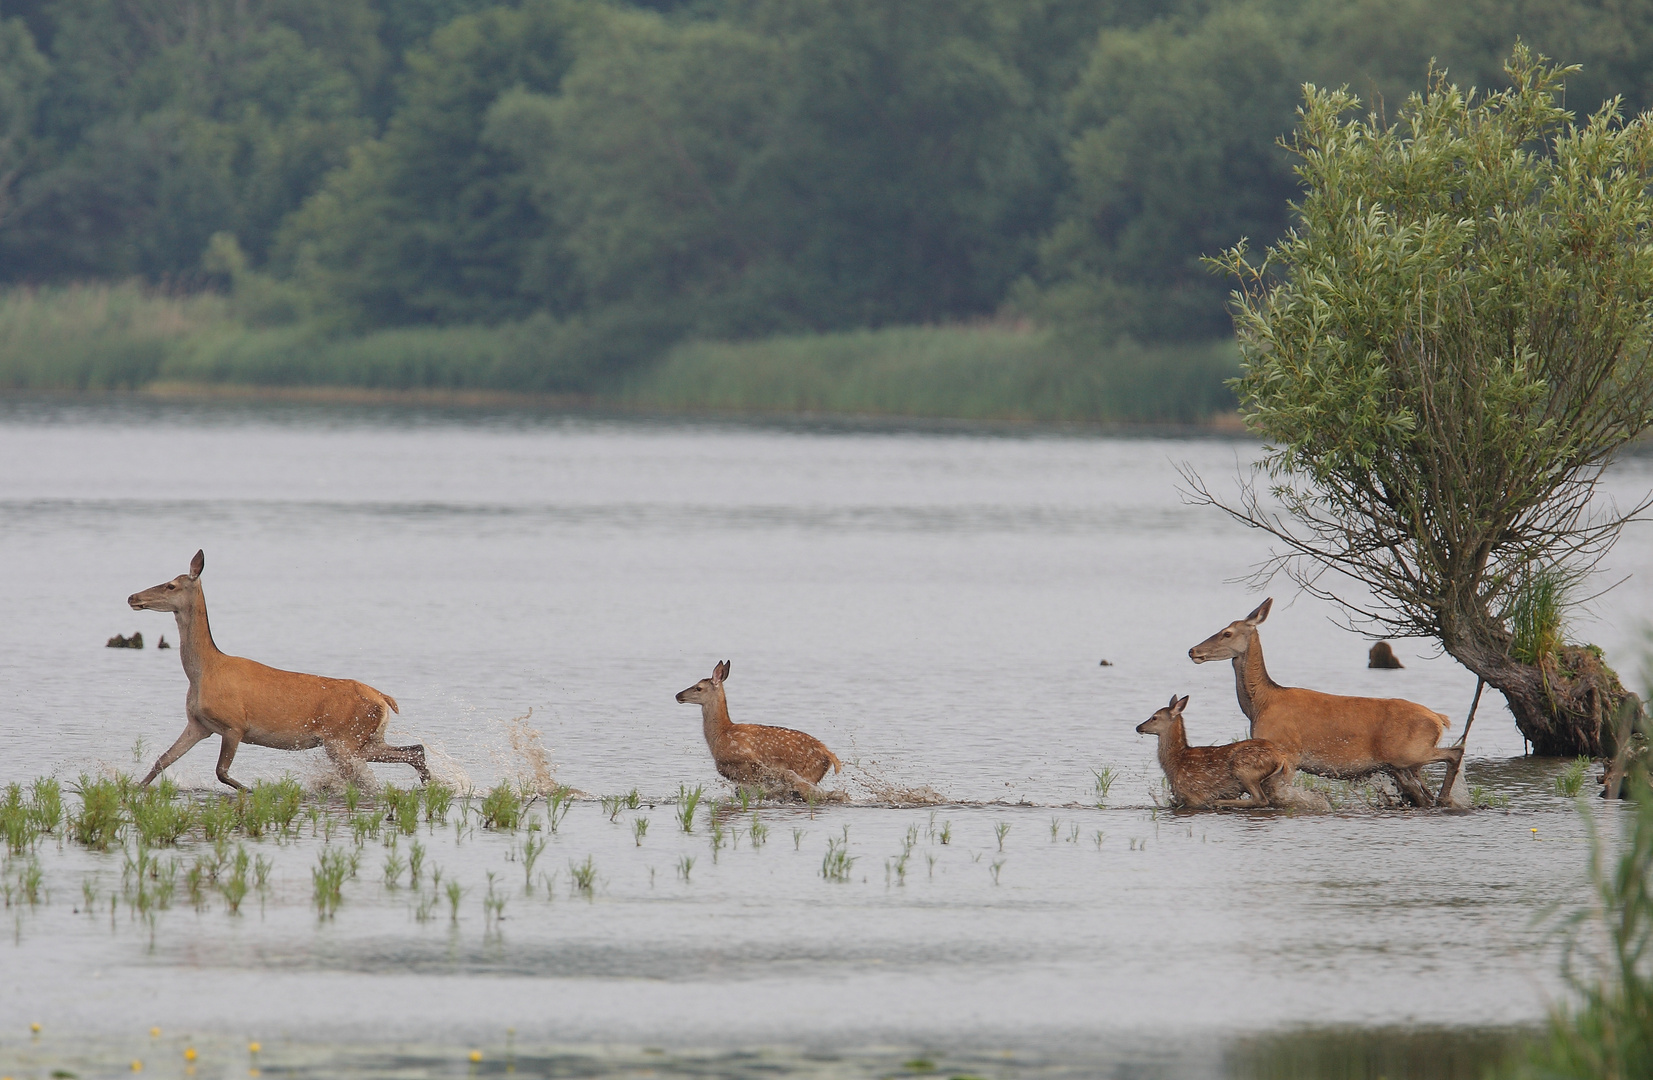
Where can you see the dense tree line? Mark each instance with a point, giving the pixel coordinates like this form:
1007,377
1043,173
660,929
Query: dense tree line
637,173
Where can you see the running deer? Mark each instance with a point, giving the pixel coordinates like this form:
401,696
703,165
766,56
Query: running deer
755,753
241,700
1203,777
1329,734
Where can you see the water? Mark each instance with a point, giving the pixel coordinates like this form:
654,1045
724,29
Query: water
932,604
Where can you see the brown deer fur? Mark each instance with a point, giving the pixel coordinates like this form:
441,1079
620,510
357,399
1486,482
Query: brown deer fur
755,753
1216,776
1329,734
241,700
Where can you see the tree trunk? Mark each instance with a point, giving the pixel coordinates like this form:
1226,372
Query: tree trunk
1568,705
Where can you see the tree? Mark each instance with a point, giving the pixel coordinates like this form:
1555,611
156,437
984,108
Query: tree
1443,356
23,74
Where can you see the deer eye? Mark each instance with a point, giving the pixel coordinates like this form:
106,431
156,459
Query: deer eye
1228,633
170,585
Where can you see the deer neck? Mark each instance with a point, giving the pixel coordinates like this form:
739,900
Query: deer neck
1252,682
714,719
1172,745
195,645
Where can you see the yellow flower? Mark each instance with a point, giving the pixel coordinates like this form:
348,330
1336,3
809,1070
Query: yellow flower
189,1053
476,1055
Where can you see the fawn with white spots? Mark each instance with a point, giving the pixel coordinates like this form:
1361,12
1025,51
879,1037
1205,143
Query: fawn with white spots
1216,776
756,753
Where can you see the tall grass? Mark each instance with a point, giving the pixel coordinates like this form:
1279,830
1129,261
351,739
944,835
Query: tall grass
972,373
96,337
1609,1033
111,337
1537,615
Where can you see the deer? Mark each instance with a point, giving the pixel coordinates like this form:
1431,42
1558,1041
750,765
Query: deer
756,753
1346,738
1205,777
241,700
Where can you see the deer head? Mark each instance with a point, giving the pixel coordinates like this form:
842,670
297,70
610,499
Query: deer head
1165,720
1232,640
706,691
176,595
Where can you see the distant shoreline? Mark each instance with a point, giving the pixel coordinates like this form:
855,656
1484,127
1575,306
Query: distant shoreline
178,392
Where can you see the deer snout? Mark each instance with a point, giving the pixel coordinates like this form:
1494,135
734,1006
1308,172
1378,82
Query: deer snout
1194,655
683,696
1142,728
134,603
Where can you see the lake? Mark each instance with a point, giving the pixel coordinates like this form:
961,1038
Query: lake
934,604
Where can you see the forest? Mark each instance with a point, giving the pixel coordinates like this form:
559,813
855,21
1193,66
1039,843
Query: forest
572,196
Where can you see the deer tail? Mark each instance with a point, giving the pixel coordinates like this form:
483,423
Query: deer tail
390,701
837,767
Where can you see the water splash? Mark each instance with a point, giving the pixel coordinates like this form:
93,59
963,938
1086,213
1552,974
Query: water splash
526,760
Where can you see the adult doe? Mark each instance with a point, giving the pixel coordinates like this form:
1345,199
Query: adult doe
1331,734
757,754
240,700
1216,776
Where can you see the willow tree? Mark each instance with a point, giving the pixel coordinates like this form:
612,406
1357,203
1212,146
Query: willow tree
1442,357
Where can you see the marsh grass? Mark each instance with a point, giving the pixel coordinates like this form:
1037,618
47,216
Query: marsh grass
493,904
1571,781
234,886
1001,830
1537,615
557,803
1104,783
797,839
837,863
502,807
158,815
639,829
455,893
583,875
46,804
438,798
98,822
685,866
532,848
1609,1032
757,832
687,801
16,826
394,865
994,868
403,805
945,836
333,868
719,835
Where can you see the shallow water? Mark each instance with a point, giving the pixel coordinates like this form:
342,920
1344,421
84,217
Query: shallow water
931,604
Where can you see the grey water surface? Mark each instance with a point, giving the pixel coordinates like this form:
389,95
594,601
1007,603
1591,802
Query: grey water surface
933,604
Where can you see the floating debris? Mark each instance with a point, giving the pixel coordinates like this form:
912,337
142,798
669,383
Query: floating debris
163,643
1105,663
133,642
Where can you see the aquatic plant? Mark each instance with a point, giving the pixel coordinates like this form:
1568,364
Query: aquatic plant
639,829
46,803
837,863
333,867
557,802
1104,783
196,880
217,816
99,820
352,796
416,862
88,893
403,806
493,904
994,868
531,850
1055,829
158,816
502,807
583,875
394,865
946,834
758,831
1001,830
364,825
234,886
1571,781
1537,615
438,797
718,832
1484,799
687,801
15,824
685,865
797,839
261,871
455,893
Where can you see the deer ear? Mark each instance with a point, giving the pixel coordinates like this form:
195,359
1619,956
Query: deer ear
197,564
1261,613
1178,706
720,671
1173,703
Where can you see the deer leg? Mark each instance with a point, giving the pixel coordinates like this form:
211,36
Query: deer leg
229,741
1411,786
407,755
1454,764
194,732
